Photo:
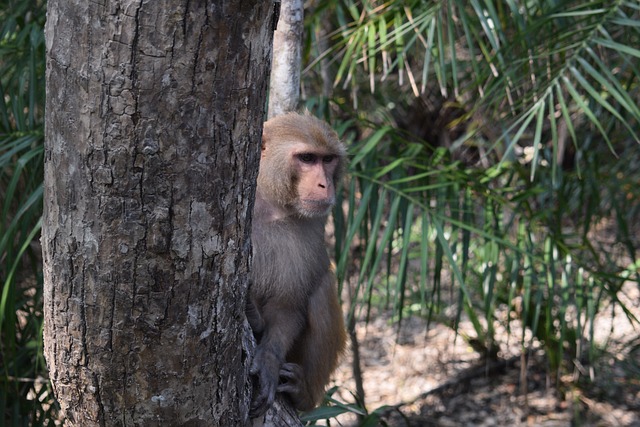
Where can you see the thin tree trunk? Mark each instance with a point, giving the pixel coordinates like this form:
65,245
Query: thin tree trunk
153,121
355,364
284,89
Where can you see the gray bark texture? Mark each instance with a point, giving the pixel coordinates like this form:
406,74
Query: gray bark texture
153,121
284,89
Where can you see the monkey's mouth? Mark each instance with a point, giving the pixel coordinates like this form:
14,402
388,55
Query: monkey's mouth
313,207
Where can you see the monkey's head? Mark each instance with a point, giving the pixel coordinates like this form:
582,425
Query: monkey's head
302,161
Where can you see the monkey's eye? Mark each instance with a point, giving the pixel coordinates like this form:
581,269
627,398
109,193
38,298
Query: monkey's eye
329,158
308,158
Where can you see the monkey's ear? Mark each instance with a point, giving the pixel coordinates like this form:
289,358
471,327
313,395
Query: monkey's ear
264,141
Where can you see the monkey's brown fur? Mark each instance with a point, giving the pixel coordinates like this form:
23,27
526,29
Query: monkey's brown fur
293,306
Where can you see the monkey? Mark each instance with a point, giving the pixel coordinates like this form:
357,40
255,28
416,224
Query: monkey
293,306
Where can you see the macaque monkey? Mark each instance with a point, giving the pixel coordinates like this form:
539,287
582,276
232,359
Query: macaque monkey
293,305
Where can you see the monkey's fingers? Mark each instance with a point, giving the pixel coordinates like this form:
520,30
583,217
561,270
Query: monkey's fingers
291,372
263,395
292,382
258,407
290,378
264,369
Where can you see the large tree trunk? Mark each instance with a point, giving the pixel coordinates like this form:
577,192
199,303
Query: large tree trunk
153,121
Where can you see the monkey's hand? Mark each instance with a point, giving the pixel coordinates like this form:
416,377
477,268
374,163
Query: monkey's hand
265,368
292,383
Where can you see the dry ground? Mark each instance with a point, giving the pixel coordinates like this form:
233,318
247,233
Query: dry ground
432,378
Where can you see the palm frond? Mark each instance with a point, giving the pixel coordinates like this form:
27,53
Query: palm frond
519,59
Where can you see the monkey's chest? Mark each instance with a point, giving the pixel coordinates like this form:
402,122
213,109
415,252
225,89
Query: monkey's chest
288,260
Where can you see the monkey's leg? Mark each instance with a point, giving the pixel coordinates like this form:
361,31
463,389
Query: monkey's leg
315,354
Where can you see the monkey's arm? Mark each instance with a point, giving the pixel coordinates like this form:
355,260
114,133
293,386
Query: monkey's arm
283,322
254,318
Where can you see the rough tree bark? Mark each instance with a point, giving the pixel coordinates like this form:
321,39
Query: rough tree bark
153,121
284,89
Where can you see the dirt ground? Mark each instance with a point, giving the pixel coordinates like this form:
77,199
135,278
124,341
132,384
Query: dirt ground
430,377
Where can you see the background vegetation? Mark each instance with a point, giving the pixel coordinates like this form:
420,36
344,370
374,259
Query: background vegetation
25,397
495,162
495,171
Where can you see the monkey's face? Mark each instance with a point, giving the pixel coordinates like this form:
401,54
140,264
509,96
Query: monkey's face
315,171
301,161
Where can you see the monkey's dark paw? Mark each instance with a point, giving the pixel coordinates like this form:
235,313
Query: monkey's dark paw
264,369
291,377
292,382
264,392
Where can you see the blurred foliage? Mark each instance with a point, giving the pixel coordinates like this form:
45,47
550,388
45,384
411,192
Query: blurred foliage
25,395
